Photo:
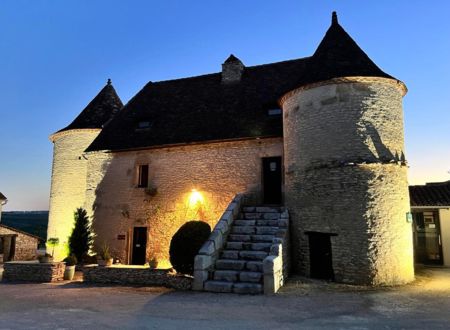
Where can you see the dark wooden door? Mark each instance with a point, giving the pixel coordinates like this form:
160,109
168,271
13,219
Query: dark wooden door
139,246
320,257
272,180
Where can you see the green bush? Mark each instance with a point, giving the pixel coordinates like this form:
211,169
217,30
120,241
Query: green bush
71,260
185,244
80,242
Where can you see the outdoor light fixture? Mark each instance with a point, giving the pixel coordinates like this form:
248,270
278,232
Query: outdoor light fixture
195,198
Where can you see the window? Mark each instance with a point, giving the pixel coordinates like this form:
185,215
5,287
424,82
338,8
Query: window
143,176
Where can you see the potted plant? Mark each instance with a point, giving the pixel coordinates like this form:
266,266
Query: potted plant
69,272
153,263
104,257
46,258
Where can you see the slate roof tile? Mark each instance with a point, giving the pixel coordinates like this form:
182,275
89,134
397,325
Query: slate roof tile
431,194
202,108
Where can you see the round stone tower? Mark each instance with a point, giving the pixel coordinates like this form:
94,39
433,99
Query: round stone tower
68,185
345,171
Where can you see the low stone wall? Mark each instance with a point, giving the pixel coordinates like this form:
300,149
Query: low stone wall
33,271
129,275
276,264
209,252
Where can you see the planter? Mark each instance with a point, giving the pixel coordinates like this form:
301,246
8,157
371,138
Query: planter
104,263
69,272
45,259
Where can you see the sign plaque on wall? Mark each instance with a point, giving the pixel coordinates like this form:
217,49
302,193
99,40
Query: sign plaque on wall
121,237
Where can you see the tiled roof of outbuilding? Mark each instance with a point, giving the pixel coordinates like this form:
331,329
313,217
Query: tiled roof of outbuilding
431,194
99,111
202,108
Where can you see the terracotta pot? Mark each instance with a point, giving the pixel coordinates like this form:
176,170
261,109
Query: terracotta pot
69,272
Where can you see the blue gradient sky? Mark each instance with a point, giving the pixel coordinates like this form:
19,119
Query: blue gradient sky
56,55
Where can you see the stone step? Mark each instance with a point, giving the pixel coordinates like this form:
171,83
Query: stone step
244,222
218,286
263,230
262,238
230,264
243,230
254,266
226,275
265,222
250,238
230,254
263,209
247,288
248,246
254,277
259,215
253,255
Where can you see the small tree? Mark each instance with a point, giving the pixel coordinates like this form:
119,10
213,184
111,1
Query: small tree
81,239
52,242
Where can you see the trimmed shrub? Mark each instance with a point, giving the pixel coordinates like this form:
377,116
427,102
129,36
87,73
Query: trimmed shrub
81,239
185,244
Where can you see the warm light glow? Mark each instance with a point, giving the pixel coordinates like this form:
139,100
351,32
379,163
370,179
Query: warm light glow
195,198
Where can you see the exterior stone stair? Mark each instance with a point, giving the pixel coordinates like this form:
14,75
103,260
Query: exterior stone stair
239,267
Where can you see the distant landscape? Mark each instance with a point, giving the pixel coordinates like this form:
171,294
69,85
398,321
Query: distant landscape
33,222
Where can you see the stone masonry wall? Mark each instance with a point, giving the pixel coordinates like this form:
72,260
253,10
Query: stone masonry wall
33,271
345,175
26,245
68,185
216,170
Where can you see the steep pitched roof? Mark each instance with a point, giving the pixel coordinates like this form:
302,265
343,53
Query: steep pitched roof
338,55
203,108
99,111
2,197
431,194
20,231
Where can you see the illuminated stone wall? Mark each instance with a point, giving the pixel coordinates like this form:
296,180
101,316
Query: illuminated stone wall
216,170
68,185
345,175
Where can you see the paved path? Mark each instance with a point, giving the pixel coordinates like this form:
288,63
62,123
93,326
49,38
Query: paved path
302,304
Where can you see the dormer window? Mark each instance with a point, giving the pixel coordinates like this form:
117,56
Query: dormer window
274,112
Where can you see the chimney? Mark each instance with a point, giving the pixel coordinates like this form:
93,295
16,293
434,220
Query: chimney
232,70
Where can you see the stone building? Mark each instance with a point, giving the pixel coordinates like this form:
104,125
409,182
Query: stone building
322,135
14,243
430,207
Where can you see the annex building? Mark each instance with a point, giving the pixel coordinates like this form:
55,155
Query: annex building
320,135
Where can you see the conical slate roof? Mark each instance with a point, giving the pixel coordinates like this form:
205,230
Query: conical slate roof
203,108
2,197
338,55
99,111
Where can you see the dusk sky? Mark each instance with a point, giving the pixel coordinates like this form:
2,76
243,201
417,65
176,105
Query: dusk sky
57,55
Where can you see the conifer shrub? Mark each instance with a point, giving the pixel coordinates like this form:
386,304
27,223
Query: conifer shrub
185,244
81,239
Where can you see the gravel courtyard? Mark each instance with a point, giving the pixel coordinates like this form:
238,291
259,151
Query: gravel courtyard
302,304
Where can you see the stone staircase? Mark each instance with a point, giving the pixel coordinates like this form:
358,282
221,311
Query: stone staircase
239,267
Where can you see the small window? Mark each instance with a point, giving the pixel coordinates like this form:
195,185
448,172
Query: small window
143,176
274,112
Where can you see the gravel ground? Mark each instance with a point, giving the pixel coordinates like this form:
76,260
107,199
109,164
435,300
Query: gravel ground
301,304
